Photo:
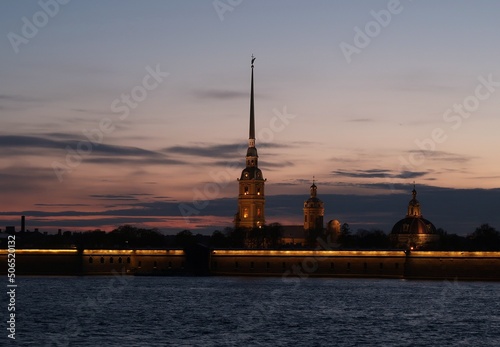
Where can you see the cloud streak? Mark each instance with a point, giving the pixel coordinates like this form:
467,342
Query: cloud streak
444,156
378,173
13,145
220,94
209,150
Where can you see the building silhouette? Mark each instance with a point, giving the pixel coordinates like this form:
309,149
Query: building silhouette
411,231
251,200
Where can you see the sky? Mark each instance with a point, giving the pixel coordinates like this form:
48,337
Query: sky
134,112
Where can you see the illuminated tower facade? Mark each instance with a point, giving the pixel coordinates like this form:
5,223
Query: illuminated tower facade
414,206
251,199
313,211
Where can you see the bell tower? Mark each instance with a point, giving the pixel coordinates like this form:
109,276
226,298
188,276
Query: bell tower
313,211
251,183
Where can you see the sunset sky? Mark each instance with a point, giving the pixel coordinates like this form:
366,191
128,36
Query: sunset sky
136,112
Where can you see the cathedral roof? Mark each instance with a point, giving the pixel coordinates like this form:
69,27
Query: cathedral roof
413,225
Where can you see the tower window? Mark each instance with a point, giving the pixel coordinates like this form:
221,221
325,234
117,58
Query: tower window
258,212
245,212
246,191
258,191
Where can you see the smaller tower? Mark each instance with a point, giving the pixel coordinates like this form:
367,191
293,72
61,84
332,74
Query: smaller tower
414,205
313,211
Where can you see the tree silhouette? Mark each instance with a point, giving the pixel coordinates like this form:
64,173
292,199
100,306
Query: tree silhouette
485,238
184,239
273,235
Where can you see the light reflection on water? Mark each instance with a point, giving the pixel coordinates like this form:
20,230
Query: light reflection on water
234,311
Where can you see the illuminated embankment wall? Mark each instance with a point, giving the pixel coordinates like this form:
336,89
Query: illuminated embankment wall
288,263
388,264
308,263
95,262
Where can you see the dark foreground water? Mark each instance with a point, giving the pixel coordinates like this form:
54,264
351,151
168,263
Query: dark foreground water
233,311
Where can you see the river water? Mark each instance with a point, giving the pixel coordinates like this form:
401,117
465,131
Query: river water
236,311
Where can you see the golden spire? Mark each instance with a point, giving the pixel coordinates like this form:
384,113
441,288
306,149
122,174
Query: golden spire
252,113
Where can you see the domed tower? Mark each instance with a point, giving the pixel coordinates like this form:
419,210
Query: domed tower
251,199
414,206
413,231
313,211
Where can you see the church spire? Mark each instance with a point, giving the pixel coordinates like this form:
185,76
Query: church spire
313,189
251,199
251,137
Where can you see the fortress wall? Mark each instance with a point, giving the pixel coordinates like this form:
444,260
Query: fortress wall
43,262
391,264
104,261
302,263
95,262
308,263
451,265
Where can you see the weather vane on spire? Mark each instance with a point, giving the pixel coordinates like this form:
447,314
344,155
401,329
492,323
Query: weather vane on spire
253,59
